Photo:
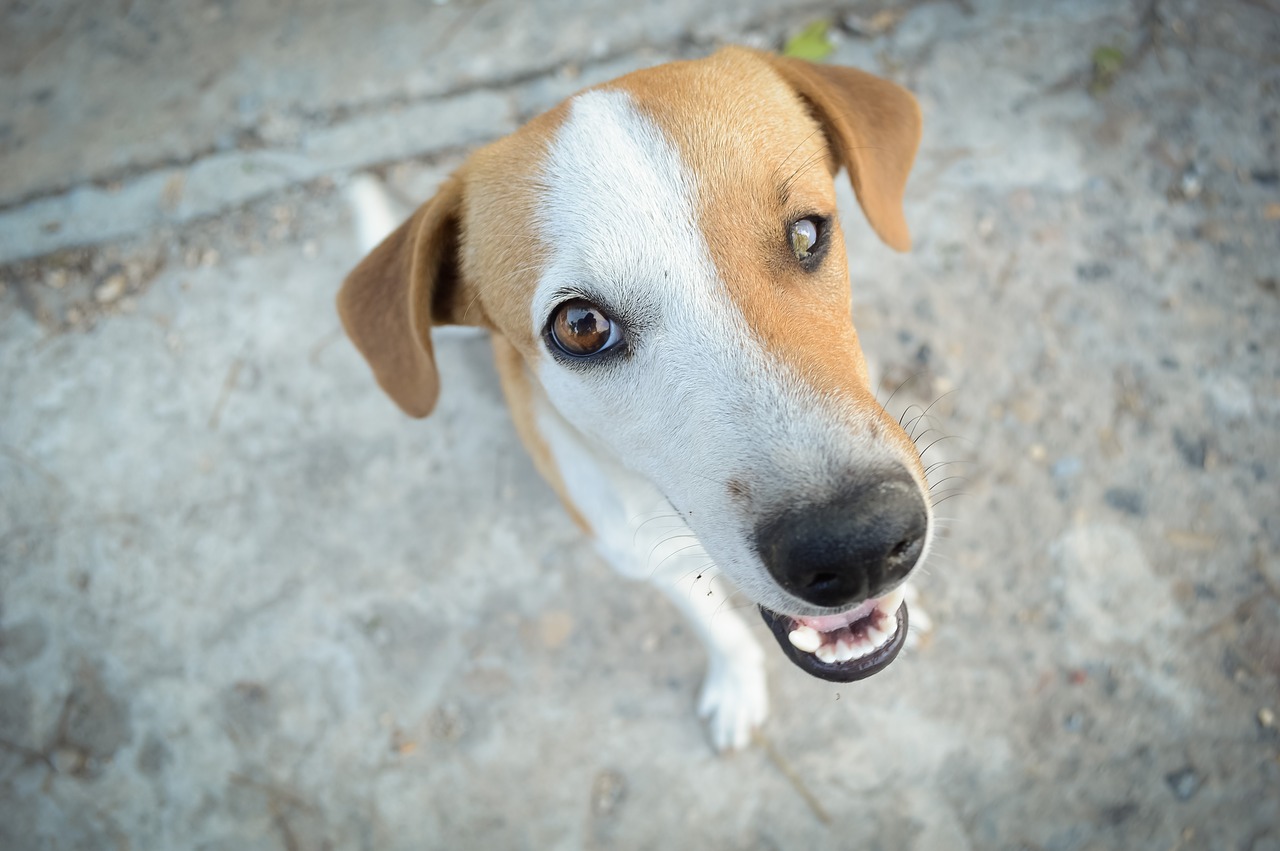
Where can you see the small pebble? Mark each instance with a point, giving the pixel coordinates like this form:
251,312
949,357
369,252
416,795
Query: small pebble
110,289
1193,449
871,26
1127,500
1266,717
1066,468
1095,271
1184,782
607,792
1190,185
1231,398
68,760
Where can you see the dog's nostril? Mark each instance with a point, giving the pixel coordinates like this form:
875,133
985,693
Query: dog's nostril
907,550
822,580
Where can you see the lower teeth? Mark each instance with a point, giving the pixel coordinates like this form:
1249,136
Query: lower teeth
806,639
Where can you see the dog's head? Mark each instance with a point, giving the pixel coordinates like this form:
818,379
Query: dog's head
664,253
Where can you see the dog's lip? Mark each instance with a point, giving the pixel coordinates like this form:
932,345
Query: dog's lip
853,669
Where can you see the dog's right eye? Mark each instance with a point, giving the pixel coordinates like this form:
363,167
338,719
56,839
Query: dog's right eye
580,329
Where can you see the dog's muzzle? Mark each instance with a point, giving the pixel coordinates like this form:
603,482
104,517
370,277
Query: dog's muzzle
853,552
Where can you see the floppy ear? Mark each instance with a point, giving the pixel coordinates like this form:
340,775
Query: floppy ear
409,283
874,127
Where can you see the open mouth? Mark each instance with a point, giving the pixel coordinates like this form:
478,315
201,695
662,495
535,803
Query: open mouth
844,647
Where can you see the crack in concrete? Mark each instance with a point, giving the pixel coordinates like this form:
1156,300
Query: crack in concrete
248,139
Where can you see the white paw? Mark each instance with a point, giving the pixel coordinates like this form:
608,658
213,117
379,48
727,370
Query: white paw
735,701
919,624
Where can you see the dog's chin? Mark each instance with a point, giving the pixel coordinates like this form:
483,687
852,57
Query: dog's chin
844,647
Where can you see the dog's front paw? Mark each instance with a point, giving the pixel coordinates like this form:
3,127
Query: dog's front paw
735,701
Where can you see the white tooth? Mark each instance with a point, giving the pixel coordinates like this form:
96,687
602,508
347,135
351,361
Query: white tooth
827,653
862,648
876,637
844,650
890,604
805,639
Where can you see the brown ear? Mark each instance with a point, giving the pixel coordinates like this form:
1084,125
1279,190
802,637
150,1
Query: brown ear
874,127
407,284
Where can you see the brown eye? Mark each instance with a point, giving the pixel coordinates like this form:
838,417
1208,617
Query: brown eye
581,329
804,235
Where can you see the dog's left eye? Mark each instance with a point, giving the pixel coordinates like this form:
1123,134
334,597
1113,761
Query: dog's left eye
580,329
805,236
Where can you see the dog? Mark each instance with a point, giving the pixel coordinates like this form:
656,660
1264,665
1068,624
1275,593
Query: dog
659,264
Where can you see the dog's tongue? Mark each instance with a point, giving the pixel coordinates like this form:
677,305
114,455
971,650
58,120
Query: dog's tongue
847,646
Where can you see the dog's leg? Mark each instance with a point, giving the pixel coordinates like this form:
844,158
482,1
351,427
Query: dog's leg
734,698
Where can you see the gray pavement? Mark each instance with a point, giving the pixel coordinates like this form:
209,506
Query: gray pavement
245,604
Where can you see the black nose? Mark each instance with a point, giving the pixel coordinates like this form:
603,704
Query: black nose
858,545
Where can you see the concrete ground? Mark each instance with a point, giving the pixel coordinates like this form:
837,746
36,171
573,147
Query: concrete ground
245,604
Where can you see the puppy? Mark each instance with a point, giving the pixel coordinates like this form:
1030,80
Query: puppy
659,264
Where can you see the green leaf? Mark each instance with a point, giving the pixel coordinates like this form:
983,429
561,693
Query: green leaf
1108,62
810,43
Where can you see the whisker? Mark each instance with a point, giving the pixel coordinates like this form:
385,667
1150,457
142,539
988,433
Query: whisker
934,466
702,571
798,146
939,440
949,496
915,421
809,162
933,487
905,412
904,383
936,401
916,440
659,565
636,534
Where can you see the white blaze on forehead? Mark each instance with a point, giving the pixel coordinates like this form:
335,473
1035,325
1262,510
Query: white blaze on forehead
618,209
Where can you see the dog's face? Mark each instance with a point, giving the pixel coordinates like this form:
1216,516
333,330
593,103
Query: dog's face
664,252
